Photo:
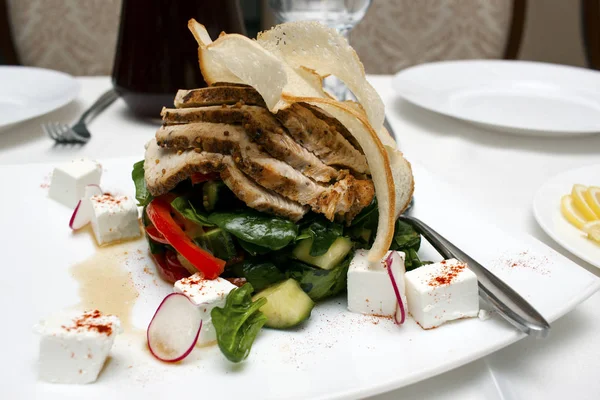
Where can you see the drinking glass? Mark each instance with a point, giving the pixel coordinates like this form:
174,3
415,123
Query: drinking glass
342,15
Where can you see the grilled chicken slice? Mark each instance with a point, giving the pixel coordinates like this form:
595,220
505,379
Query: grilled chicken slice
257,197
259,125
222,114
164,169
318,137
216,95
264,128
344,199
178,165
211,137
334,124
270,173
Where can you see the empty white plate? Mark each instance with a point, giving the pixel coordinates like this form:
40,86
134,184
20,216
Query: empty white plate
546,208
512,96
28,92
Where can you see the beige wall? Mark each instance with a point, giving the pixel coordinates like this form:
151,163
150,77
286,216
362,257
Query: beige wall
553,32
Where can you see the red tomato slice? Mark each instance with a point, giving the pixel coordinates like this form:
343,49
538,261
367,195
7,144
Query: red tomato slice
159,213
169,271
199,177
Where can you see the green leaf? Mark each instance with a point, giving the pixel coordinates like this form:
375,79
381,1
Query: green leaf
184,207
253,249
323,233
238,323
406,237
319,283
142,194
260,229
368,217
259,273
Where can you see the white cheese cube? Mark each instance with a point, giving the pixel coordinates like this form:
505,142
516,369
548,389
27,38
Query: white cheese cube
114,218
442,292
370,289
206,294
69,180
74,345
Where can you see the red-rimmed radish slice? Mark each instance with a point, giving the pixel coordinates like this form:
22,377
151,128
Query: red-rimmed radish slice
82,214
155,234
400,315
174,329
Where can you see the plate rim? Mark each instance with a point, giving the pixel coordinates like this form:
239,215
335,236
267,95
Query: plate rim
537,213
73,91
504,128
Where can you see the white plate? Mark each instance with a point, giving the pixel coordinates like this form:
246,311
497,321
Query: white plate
546,208
29,92
513,96
336,355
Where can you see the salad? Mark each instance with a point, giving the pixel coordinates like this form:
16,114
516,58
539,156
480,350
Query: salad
261,187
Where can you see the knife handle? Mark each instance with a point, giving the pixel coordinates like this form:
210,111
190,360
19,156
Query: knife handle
508,303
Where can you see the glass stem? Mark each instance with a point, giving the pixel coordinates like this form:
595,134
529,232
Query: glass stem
332,84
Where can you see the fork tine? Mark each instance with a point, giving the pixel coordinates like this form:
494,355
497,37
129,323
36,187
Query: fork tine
46,131
64,132
53,132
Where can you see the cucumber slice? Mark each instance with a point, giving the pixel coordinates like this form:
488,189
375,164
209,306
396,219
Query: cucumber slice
210,194
218,242
335,254
287,304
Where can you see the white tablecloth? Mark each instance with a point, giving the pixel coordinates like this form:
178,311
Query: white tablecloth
500,172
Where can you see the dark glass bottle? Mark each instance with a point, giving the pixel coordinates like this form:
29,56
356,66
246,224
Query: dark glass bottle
157,54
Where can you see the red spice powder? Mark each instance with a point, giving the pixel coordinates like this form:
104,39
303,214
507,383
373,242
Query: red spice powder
448,273
91,321
526,260
108,198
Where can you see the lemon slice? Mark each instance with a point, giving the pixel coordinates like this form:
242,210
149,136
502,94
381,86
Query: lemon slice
577,193
592,198
572,214
593,230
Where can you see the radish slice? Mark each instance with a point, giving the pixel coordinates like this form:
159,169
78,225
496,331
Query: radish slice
174,329
82,214
400,316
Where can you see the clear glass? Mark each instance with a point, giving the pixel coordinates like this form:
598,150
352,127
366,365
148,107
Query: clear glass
342,15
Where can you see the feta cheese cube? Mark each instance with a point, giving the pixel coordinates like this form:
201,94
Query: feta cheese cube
370,289
441,292
114,218
206,294
74,345
69,180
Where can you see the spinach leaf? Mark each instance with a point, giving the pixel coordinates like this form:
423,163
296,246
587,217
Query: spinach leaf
253,249
406,237
238,323
259,273
368,217
184,207
261,229
142,194
319,283
323,233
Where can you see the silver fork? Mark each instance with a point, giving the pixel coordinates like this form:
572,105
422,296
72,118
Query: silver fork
78,133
